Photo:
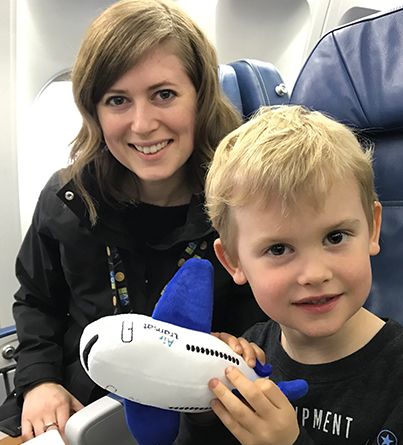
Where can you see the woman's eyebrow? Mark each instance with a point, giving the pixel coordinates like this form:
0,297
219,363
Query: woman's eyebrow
116,91
156,86
164,83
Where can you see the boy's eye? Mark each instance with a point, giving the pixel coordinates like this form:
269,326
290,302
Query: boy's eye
278,249
115,101
336,237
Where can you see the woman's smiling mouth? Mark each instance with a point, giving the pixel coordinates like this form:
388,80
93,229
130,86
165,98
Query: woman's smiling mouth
151,149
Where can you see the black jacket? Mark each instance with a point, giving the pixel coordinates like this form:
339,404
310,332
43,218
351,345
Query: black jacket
65,281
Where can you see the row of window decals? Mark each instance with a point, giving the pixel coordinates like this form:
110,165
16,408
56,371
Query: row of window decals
212,352
190,408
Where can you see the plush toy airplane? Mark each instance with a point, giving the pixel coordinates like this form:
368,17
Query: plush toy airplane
161,365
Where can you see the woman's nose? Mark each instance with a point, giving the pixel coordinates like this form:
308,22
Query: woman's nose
143,118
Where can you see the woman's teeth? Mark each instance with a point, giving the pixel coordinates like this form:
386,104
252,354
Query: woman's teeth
151,149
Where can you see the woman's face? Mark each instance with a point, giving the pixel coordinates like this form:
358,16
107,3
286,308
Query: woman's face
148,118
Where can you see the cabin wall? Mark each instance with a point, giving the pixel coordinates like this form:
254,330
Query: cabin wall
39,40
10,231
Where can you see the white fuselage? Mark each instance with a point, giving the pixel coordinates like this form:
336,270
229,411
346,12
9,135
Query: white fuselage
156,363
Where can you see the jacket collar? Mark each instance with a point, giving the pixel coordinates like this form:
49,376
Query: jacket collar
110,228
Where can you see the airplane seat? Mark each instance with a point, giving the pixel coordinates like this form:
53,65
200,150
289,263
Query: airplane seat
248,84
355,74
229,85
260,84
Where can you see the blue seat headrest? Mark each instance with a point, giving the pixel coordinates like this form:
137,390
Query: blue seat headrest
229,84
250,84
361,65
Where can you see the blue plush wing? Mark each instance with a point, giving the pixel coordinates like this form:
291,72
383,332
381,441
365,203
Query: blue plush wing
293,389
188,298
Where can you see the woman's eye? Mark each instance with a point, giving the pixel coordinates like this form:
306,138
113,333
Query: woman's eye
278,249
166,94
115,101
336,237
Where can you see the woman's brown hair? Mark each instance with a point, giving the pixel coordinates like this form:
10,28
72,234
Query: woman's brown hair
115,42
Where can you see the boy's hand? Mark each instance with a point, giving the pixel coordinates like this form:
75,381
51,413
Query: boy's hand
249,351
266,417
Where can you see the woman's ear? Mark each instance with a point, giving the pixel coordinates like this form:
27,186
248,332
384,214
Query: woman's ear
376,230
234,270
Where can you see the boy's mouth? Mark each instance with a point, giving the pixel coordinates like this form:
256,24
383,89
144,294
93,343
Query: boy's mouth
318,304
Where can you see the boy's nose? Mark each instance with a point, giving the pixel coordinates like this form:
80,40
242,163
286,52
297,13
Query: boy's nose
143,119
314,270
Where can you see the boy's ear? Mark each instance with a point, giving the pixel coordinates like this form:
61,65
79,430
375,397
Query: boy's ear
234,270
376,230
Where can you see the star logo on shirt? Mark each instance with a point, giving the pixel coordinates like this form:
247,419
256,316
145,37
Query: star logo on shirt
386,437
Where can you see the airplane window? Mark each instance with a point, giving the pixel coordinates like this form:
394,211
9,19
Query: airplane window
355,14
44,145
257,30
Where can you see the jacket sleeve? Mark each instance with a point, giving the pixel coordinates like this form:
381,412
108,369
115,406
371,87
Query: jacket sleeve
40,308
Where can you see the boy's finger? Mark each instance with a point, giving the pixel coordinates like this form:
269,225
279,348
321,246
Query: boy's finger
263,395
229,421
248,354
272,392
260,355
235,407
231,341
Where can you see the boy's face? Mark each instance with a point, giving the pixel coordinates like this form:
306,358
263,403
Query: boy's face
309,269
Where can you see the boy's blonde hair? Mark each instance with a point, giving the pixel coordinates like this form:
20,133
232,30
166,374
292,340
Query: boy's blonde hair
284,151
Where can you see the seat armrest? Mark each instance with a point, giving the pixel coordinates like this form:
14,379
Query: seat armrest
4,332
8,345
101,422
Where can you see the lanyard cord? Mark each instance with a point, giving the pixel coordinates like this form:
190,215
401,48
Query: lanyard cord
117,275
